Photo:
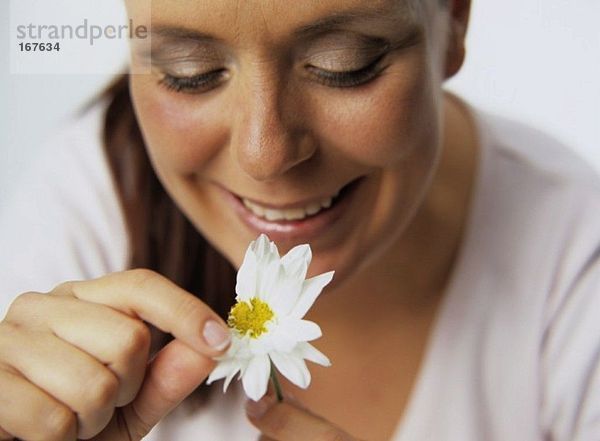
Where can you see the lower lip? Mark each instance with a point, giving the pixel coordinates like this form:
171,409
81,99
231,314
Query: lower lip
298,230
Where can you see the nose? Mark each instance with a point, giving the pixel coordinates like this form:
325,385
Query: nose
271,136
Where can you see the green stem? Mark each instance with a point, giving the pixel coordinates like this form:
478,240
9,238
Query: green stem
276,384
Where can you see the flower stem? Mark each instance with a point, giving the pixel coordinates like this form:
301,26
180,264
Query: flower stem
276,384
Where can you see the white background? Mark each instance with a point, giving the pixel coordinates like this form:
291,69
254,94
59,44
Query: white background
535,60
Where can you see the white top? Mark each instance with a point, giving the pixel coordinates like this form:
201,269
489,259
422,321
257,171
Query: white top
515,353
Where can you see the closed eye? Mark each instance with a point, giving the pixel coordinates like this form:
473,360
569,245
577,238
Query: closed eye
348,78
194,84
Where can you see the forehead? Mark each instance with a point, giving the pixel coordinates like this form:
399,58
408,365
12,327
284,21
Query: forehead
240,20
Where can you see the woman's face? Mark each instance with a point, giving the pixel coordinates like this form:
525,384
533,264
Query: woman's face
313,122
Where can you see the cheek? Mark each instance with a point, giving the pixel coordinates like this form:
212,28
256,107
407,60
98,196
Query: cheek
182,133
383,122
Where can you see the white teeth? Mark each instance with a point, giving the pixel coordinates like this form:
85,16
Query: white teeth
295,214
326,203
272,214
256,209
313,209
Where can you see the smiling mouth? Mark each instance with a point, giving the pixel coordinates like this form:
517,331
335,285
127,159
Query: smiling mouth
297,212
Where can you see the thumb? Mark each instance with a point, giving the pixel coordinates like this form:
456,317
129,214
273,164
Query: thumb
175,372
287,421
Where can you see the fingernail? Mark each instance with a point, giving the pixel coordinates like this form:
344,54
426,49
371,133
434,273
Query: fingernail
256,409
216,335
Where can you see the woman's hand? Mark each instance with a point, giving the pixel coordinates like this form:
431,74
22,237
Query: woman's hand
74,362
290,421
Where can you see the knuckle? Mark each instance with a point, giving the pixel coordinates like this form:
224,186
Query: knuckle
12,338
8,330
101,390
23,303
136,339
63,288
140,277
59,423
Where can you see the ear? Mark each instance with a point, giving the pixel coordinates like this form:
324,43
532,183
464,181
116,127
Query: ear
459,20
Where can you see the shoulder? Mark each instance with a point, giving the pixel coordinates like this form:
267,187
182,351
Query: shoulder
79,140
539,198
555,195
64,220
534,154
72,153
546,200
535,242
70,177
541,179
535,225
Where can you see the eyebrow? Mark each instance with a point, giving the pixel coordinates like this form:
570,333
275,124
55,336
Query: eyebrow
339,19
180,33
320,26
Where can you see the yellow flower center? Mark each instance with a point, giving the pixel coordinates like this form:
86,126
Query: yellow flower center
250,318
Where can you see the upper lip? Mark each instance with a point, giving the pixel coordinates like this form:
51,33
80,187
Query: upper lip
292,205
301,204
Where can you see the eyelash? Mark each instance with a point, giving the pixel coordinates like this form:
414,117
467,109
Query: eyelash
352,78
196,84
205,82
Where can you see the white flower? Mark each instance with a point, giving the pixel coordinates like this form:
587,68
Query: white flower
266,322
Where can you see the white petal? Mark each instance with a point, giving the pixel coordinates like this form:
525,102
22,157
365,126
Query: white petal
264,249
223,369
300,330
256,377
311,290
243,364
274,251
293,368
245,286
261,345
296,261
285,295
283,340
310,353
268,280
260,246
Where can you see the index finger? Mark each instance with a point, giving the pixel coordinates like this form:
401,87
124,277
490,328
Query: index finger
147,295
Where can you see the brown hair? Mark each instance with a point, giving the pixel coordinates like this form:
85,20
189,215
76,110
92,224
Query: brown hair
160,236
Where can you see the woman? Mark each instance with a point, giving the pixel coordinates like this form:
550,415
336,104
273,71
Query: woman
465,246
